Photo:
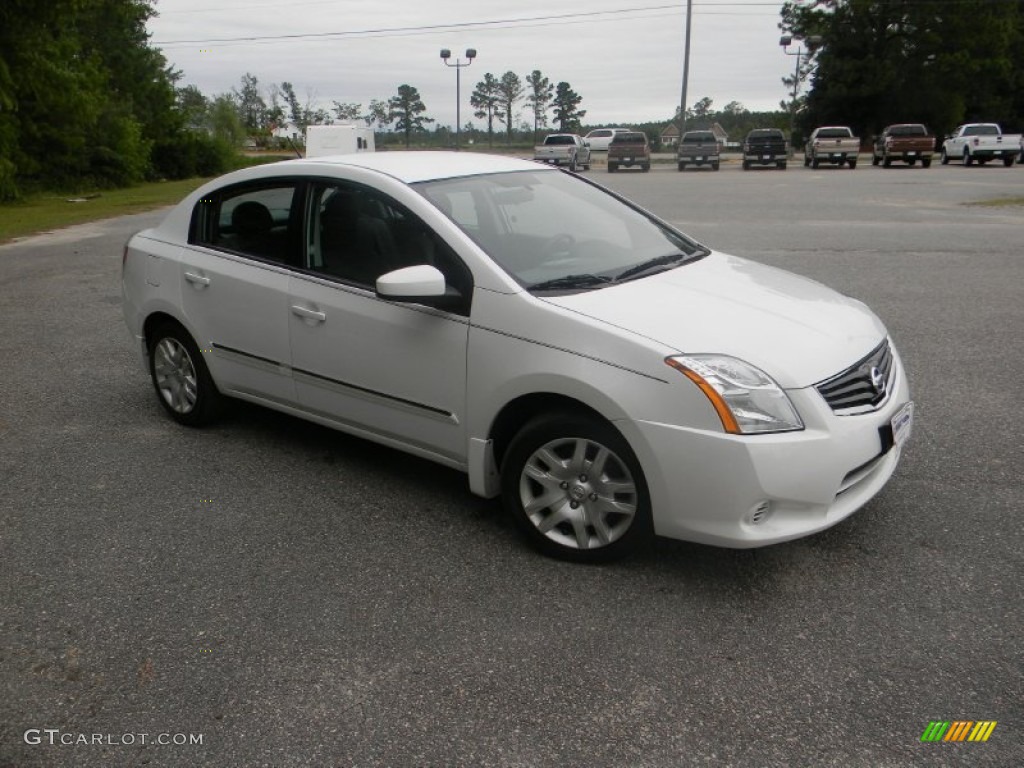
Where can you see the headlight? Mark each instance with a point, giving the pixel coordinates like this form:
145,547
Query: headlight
746,398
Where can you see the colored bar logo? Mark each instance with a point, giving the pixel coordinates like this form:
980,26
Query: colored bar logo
958,730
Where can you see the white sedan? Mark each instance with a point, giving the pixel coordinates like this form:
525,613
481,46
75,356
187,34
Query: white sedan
606,375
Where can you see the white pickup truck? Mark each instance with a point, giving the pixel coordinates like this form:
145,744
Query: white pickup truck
833,144
564,149
981,142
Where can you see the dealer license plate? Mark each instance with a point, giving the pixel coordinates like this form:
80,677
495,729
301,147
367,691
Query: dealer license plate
911,154
701,158
902,423
627,159
766,157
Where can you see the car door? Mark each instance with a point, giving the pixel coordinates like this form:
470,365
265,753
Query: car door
234,285
392,371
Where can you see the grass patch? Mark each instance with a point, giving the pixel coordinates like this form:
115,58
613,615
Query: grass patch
1000,202
44,212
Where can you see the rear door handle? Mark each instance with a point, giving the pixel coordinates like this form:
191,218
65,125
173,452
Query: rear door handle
309,314
197,279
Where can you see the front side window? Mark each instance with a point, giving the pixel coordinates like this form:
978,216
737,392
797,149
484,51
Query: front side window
356,234
544,226
255,222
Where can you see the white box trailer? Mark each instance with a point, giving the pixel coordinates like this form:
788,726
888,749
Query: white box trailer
338,140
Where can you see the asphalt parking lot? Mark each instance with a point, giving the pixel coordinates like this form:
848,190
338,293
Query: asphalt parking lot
293,596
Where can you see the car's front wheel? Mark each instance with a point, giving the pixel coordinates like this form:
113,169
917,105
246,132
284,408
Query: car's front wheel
180,376
575,488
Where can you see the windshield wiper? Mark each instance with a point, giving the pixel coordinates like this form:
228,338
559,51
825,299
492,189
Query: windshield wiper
652,265
571,281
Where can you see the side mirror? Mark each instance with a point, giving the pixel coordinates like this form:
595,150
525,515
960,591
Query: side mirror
411,283
419,284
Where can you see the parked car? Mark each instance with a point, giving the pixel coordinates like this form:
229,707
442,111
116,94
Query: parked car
604,374
600,138
981,142
566,149
834,144
699,148
765,146
906,142
629,149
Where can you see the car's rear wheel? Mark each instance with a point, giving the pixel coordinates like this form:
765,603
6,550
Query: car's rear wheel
852,163
1008,161
875,159
182,381
646,167
572,164
682,166
575,488
714,166
887,163
815,162
943,157
926,162
612,167
968,160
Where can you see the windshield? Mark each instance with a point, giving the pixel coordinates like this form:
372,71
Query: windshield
542,227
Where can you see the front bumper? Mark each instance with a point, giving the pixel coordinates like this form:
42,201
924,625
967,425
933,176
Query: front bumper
746,491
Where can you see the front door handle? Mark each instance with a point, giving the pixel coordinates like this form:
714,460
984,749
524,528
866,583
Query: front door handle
195,279
309,314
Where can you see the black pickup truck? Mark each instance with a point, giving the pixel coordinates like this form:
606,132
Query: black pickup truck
764,146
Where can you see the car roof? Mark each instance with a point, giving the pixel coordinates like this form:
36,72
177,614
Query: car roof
412,167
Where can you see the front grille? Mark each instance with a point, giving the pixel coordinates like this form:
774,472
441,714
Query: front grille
862,386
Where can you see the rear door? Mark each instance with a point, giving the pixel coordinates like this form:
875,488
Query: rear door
234,284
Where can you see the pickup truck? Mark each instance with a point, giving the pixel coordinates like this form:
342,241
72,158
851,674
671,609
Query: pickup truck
764,146
981,142
629,149
833,144
698,148
564,149
906,142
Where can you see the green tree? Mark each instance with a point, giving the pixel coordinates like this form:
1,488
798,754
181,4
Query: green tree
937,63
377,113
82,95
346,112
538,99
485,100
406,110
252,108
566,108
194,109
509,91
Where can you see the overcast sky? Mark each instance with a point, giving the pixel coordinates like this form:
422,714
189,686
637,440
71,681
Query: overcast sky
624,58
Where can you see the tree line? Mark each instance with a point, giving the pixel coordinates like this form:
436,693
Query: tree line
879,62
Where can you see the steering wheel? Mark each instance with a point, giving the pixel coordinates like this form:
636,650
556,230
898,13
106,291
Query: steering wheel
558,245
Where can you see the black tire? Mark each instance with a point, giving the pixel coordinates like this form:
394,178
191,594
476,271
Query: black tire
968,160
815,163
781,166
807,161
852,163
926,162
746,165
584,518
1008,161
572,164
875,159
645,168
682,166
887,163
612,167
180,377
943,157
714,166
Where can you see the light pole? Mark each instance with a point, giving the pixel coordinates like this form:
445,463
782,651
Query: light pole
459,64
785,41
686,73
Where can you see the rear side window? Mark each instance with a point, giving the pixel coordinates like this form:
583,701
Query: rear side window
630,138
908,130
260,222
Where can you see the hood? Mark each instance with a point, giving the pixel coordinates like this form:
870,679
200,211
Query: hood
797,330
